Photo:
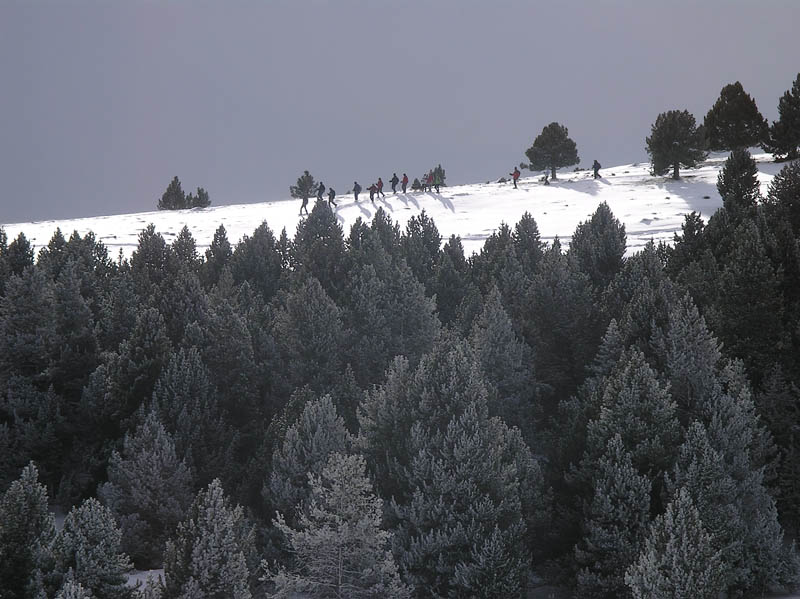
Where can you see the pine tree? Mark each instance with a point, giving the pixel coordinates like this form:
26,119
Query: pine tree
783,196
26,527
76,354
738,185
187,404
73,590
450,280
784,134
211,552
37,428
27,327
306,187
389,316
421,243
87,550
309,333
528,244
750,311
148,491
552,149
173,198
678,560
19,255
615,524
779,404
341,550
318,250
734,122
201,200
182,301
218,254
149,260
636,406
309,442
466,481
184,248
598,246
675,140
506,362
257,261
692,356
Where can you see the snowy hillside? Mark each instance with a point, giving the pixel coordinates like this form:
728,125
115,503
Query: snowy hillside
650,207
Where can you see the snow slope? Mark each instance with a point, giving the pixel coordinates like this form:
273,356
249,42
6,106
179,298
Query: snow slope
650,207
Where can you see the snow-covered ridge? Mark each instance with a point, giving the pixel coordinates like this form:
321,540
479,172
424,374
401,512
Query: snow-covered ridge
650,208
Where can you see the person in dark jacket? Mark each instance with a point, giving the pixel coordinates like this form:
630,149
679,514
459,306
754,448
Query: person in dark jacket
304,205
320,190
596,168
380,187
372,189
331,195
515,176
404,182
356,190
394,181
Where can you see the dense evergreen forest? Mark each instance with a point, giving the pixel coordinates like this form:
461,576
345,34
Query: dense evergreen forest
373,413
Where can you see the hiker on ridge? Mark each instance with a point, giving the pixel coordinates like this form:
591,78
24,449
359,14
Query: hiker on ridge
404,182
356,190
331,195
394,181
596,168
320,190
515,176
380,187
372,189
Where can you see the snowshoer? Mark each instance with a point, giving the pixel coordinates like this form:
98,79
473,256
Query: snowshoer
380,187
356,189
596,168
437,180
331,195
404,182
429,181
320,190
304,205
372,189
515,176
394,181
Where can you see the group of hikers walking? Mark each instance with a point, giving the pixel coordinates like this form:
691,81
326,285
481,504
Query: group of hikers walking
432,180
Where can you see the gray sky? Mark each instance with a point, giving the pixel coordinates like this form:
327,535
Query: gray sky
103,102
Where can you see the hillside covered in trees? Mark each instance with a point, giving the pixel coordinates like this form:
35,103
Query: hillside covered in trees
371,412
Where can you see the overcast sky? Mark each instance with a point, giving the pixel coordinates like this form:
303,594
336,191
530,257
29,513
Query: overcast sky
103,102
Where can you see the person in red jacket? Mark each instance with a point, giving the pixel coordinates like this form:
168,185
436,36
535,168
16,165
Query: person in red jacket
380,187
515,176
404,182
372,189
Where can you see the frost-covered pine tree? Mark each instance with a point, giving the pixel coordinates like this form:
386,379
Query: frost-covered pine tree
26,528
318,433
598,246
72,589
679,560
148,490
88,550
615,524
340,549
639,408
468,482
738,185
188,406
507,364
211,552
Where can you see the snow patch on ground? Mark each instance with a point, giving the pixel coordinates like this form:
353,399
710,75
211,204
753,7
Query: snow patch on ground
650,208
